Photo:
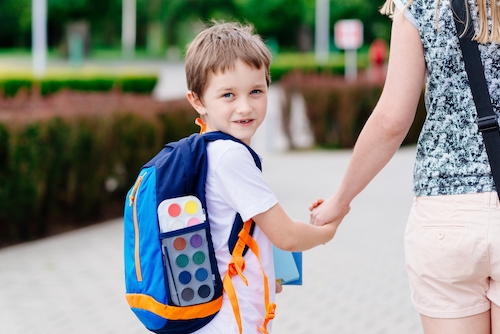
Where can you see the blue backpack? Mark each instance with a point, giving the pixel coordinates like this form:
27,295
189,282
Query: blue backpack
171,277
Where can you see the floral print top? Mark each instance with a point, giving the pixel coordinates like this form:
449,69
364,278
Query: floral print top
451,157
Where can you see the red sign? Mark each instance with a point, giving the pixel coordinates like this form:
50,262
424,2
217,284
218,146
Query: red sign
348,34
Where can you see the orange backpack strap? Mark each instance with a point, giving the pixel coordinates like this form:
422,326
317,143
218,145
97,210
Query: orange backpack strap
148,303
201,124
237,266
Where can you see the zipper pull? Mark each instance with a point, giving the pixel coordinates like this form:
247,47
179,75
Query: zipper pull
135,189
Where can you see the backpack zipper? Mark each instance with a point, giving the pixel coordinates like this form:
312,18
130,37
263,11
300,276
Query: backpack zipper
133,201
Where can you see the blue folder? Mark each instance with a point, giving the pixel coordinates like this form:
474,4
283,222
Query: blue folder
287,266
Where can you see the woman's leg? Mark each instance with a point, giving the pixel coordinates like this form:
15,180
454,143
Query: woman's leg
476,324
495,318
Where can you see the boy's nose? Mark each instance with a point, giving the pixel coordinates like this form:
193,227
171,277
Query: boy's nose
244,106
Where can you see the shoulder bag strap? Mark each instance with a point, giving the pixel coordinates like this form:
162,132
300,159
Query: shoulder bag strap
487,120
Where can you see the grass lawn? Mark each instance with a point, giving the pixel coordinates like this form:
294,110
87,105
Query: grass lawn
16,63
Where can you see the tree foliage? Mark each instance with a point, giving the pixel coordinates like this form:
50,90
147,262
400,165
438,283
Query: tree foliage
15,23
280,20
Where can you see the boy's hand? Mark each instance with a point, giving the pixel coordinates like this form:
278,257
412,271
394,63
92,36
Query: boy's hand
279,287
315,204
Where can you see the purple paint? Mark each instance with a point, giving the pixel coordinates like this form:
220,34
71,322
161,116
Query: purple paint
196,241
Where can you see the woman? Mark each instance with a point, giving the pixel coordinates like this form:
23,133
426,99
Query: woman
452,240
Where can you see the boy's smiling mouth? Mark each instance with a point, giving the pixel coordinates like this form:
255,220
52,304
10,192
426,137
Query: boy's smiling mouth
244,121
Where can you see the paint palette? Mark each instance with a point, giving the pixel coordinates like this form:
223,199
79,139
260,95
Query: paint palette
185,250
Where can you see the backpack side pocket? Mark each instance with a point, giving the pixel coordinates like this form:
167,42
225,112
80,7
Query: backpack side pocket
190,265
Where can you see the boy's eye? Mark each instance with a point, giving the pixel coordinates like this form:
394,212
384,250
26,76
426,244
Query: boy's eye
227,95
255,91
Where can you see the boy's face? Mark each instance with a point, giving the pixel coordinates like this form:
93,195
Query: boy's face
234,102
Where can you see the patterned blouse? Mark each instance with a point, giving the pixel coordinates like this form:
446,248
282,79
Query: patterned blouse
451,157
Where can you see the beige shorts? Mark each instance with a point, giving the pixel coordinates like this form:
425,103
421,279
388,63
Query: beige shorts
452,247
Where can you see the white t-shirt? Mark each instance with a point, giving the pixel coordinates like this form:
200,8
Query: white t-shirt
235,184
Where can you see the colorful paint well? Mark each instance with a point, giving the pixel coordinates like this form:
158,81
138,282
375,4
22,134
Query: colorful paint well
201,274
180,243
178,213
196,241
204,291
187,294
191,207
193,221
174,210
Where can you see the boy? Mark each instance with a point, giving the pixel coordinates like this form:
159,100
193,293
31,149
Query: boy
227,70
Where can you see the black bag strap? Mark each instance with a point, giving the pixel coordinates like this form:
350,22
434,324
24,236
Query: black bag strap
487,119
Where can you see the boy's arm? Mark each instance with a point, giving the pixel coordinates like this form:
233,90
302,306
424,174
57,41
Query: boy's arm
291,235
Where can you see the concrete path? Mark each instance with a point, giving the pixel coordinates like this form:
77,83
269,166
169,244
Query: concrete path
73,282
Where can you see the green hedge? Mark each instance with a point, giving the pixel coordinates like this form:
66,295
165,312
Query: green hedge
280,71
10,87
132,84
337,110
60,174
305,63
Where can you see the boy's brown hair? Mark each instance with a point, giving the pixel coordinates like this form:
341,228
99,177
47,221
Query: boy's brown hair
217,48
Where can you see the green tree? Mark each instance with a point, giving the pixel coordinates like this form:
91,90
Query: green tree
15,23
180,16
375,24
282,21
104,18
277,19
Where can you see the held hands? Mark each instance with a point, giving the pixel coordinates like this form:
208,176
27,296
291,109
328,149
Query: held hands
331,211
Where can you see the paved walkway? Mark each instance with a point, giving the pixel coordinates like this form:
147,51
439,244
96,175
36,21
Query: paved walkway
73,282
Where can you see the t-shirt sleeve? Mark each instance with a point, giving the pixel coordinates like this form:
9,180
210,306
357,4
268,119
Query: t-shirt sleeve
409,16
241,184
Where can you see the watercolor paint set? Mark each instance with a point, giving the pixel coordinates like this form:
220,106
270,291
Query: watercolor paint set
185,249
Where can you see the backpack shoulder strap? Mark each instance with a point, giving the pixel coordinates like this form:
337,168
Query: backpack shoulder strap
216,135
181,169
238,221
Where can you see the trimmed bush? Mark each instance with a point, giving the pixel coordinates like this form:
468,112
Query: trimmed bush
280,71
138,85
10,87
285,63
337,110
49,85
60,173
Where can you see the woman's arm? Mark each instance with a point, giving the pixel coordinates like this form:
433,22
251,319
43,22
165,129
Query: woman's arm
387,126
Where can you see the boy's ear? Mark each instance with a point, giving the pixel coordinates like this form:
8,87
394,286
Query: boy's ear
196,102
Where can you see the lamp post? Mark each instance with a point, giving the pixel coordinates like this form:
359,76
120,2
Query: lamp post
128,28
39,37
322,33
